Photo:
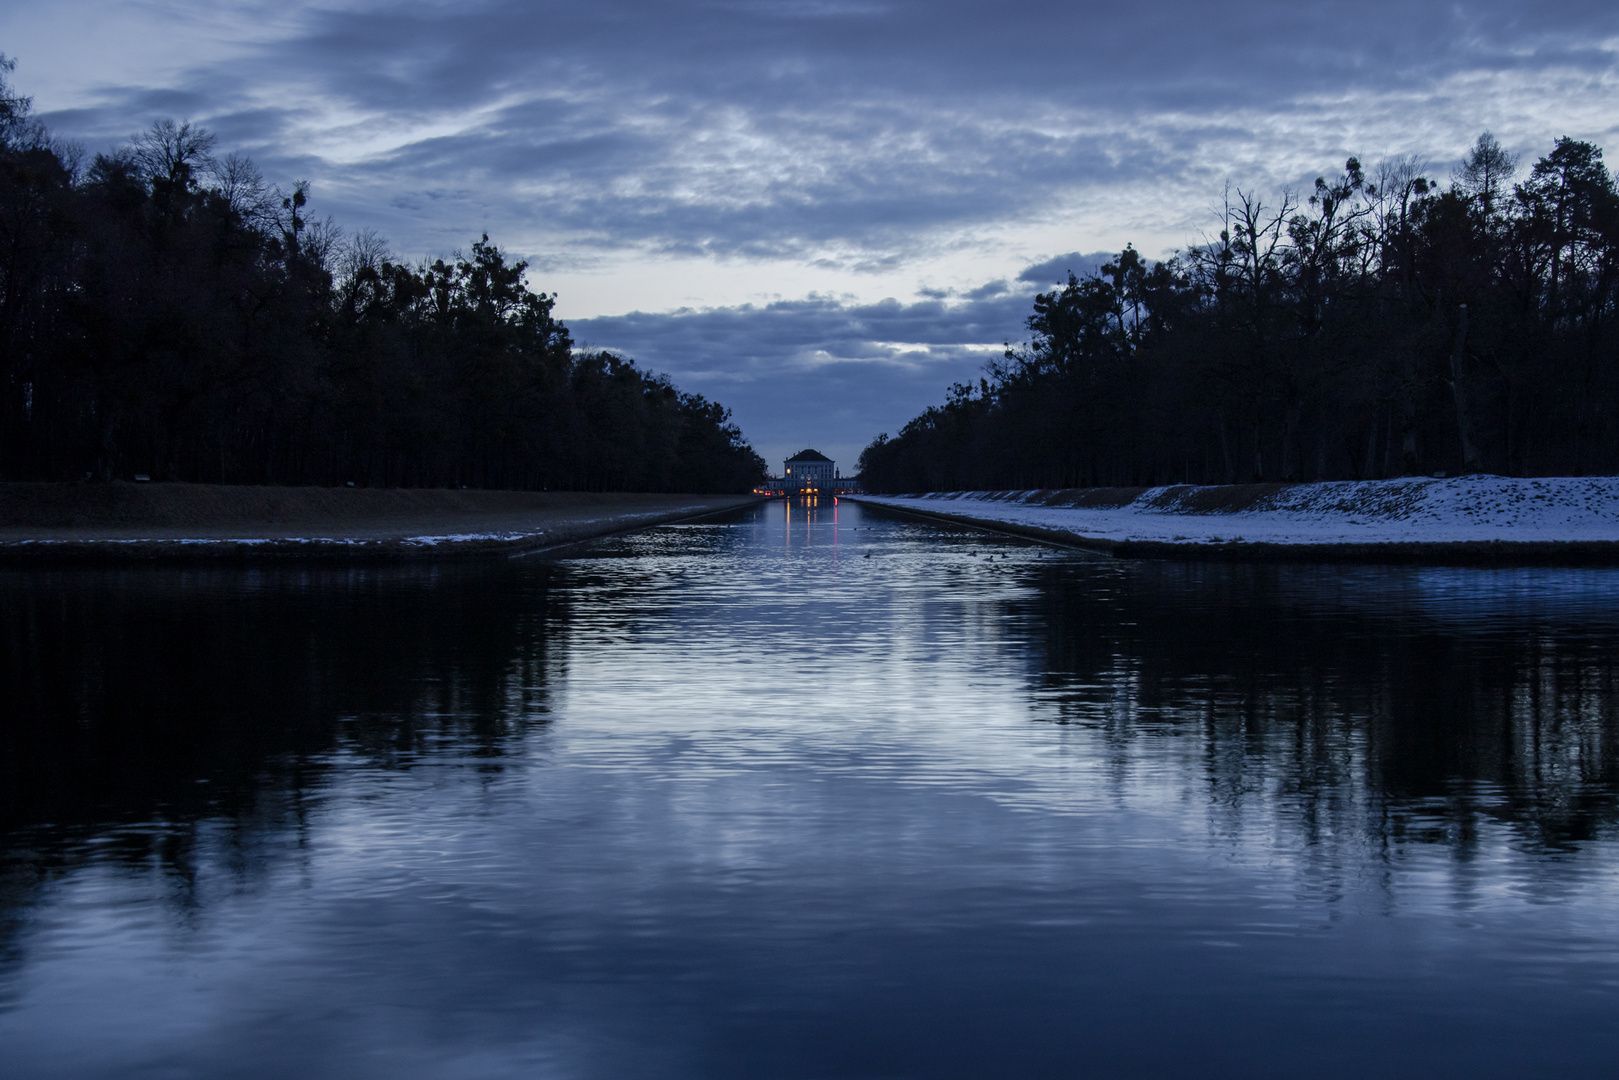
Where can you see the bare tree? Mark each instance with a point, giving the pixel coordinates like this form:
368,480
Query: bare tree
362,251
240,183
171,151
322,241
1399,182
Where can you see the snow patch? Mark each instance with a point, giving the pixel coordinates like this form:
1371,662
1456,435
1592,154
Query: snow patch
1464,509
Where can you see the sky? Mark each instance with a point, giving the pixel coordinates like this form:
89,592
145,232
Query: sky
818,212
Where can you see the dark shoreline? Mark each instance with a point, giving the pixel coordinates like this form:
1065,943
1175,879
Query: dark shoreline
1456,553
121,523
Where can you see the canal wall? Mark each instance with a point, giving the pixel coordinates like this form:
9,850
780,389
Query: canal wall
1476,518
118,521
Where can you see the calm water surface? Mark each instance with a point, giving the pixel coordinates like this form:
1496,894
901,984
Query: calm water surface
809,794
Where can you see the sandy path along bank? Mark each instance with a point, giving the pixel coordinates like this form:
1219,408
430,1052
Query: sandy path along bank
124,521
1477,518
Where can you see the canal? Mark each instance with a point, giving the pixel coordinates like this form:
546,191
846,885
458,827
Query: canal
809,792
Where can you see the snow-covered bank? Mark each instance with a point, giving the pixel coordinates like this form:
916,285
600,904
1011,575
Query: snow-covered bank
1467,516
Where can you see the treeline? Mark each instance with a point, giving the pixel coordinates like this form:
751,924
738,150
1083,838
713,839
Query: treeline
165,311
1385,325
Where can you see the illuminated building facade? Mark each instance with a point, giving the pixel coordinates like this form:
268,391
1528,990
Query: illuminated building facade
809,472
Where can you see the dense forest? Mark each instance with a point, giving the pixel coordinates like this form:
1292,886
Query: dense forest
164,311
1384,325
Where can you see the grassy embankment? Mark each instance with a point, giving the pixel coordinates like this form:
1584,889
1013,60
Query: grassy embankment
124,521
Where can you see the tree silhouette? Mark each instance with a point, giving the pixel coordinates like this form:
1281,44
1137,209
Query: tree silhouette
1378,327
166,311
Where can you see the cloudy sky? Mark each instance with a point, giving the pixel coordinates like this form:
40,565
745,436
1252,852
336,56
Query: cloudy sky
820,212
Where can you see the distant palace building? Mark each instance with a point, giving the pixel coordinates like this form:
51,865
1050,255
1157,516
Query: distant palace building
810,472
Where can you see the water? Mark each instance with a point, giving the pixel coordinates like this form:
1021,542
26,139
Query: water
819,796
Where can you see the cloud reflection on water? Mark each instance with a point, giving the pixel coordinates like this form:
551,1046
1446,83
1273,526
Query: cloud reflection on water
731,800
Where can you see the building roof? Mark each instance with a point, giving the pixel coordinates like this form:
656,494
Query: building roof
809,455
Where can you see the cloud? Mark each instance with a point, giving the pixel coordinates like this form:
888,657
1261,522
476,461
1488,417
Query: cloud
830,371
1056,270
861,134
821,371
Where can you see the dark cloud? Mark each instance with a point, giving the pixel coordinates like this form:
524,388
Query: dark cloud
828,371
1199,56
661,191
989,290
776,130
1056,270
820,371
